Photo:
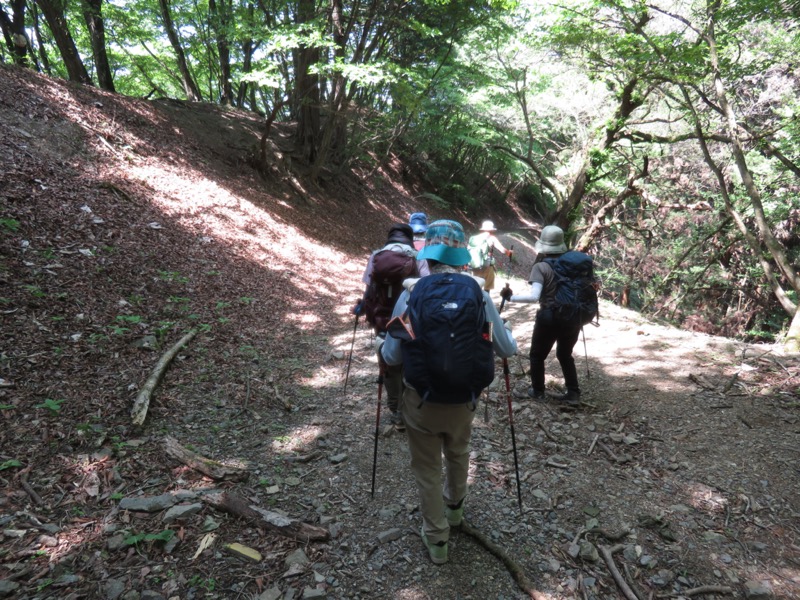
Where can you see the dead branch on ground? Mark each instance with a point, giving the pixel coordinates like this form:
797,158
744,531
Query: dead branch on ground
258,517
142,402
212,468
607,553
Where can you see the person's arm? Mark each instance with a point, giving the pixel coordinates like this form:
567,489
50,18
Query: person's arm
534,295
502,339
368,270
497,244
391,349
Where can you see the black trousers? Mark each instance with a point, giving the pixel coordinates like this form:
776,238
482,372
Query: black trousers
546,332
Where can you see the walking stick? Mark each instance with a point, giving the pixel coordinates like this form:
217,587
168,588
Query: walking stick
513,438
585,354
377,426
511,419
350,358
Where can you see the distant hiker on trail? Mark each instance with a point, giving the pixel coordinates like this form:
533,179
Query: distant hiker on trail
481,249
564,309
419,224
445,332
386,270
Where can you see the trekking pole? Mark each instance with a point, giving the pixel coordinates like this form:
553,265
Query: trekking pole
350,358
513,438
377,427
510,260
585,353
511,422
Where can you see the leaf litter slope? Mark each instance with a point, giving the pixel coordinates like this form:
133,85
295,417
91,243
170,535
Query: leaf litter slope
125,223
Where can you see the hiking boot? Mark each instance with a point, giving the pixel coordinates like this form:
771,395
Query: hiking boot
437,551
571,399
396,420
535,394
454,514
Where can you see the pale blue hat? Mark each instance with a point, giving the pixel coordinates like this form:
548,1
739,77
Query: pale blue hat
446,243
418,222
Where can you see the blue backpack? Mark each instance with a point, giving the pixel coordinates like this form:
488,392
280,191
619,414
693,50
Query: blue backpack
450,359
576,297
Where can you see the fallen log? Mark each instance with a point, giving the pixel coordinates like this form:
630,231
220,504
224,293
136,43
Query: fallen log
142,402
212,468
258,517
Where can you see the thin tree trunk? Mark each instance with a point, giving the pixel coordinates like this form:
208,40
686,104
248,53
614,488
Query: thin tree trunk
39,42
92,14
220,18
189,86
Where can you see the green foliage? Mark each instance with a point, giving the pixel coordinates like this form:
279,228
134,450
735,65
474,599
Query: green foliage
10,464
136,539
35,291
54,406
9,224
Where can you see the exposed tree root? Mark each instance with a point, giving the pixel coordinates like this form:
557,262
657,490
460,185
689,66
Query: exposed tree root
513,568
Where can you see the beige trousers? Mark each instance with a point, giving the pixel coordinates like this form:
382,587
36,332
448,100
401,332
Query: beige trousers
487,273
433,431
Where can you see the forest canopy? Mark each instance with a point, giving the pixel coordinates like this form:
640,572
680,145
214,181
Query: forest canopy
663,135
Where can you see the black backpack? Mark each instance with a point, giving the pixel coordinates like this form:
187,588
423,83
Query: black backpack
389,269
450,359
576,297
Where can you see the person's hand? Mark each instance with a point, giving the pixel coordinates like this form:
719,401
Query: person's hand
358,309
506,293
509,253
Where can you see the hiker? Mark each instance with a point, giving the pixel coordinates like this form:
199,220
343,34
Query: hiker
481,248
549,328
419,225
383,276
444,379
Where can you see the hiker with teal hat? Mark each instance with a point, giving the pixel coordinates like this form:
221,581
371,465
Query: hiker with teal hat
419,225
442,387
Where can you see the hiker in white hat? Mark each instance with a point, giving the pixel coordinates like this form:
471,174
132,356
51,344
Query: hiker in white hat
481,249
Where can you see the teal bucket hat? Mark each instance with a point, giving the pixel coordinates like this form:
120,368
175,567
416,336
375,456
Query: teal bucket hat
446,243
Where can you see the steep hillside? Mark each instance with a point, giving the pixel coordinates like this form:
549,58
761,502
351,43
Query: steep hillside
127,224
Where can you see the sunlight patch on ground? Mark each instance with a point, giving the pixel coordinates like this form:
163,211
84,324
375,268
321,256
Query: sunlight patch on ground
305,320
251,231
300,439
704,498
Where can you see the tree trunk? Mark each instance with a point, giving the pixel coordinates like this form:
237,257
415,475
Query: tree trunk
53,11
765,237
39,41
792,341
189,86
306,100
14,32
220,19
628,102
92,14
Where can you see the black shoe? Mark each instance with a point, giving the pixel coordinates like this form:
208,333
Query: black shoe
571,399
535,394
